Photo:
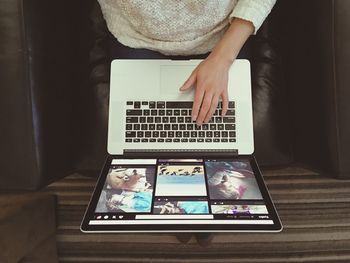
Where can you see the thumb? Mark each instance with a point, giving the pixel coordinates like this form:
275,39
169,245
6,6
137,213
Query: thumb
189,82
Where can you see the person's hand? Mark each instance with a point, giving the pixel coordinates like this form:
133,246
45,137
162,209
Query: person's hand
210,79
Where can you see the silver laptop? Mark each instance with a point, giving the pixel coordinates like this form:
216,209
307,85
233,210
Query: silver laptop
149,113
167,174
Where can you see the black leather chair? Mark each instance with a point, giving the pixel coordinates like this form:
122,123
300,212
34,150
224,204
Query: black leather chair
52,103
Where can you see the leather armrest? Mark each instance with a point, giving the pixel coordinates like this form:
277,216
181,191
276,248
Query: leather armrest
316,52
39,69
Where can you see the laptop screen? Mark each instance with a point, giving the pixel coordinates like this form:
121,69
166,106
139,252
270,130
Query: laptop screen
179,192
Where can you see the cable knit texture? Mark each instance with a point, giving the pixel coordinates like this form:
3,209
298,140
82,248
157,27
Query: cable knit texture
175,27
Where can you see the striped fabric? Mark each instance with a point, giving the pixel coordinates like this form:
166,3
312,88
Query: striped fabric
314,209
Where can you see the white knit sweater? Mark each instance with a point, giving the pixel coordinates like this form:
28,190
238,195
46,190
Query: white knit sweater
178,27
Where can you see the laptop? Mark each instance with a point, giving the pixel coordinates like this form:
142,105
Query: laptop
164,173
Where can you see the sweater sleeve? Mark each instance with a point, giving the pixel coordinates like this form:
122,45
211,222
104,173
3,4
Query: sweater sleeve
254,11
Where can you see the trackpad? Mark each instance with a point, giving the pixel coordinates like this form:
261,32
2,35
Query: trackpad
173,77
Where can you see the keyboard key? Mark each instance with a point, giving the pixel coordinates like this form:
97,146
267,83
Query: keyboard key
186,134
178,134
129,103
176,112
183,112
140,134
182,126
216,134
169,112
154,112
128,140
218,119
148,134
179,104
132,119
209,134
168,140
152,104
188,119
165,119
144,140
205,127
180,119
230,127
167,127
133,112
144,103
150,119
142,119
157,119
152,126
159,127
212,127
172,119
231,104
163,134
208,140
197,127
155,134
176,140
224,140
232,134
129,134
201,134
232,140
224,134
146,112
128,126
171,134
174,127
160,140
193,134
190,127
144,127
137,104
192,140
136,140
216,140
184,140
152,140
230,112
229,119
137,126
200,140
220,127
161,112
160,104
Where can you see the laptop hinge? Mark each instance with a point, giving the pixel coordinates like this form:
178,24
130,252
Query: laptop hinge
188,153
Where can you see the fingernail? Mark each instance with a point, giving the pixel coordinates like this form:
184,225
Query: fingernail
194,118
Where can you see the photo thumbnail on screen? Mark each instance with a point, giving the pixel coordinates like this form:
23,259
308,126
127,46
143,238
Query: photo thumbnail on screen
127,190
239,209
180,180
181,207
231,180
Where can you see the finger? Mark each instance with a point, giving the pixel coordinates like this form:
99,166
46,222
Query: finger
189,82
198,97
212,109
224,97
204,107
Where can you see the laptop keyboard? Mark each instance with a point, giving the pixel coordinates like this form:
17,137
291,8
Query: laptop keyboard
171,121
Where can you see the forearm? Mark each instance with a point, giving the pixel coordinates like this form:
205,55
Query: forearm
227,49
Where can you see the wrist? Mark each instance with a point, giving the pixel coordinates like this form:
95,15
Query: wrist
222,56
